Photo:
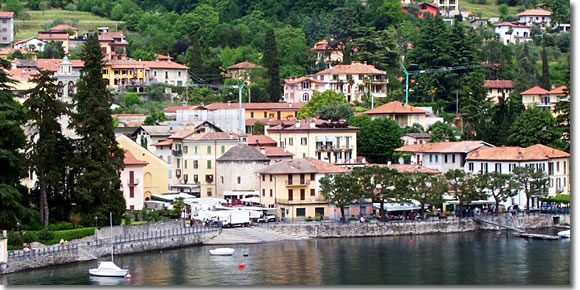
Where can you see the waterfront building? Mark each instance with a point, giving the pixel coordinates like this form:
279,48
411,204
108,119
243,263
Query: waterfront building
6,27
441,156
147,136
497,89
352,80
236,171
544,99
155,174
195,156
293,187
404,114
331,142
132,182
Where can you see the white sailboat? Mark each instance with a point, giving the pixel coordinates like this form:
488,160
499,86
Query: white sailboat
564,234
109,269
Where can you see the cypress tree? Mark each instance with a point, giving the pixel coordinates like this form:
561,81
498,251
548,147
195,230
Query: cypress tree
43,111
13,206
99,157
347,54
194,52
545,82
272,63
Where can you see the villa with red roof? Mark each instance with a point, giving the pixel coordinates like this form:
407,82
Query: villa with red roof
539,17
132,181
544,99
242,71
346,79
404,114
327,54
498,89
513,32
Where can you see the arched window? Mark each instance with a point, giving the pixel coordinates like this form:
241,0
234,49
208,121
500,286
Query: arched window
71,89
60,89
305,97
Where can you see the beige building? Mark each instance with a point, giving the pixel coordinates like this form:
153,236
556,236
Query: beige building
331,142
242,71
404,114
167,72
195,158
293,187
324,52
544,99
497,89
236,171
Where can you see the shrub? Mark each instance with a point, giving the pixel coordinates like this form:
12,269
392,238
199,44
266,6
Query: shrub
308,219
15,239
127,219
28,237
75,219
59,226
45,235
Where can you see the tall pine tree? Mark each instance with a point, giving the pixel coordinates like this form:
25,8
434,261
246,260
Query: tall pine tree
98,188
13,206
43,112
194,56
272,64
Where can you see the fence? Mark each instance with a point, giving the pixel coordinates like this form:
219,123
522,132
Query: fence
159,234
44,251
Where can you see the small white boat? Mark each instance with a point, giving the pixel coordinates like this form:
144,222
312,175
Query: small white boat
108,269
222,252
564,234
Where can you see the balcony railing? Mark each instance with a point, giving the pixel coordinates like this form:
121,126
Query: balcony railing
134,182
307,200
333,148
301,182
177,152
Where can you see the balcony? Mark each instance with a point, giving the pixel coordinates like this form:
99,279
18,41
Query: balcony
134,182
176,152
333,148
302,182
560,189
308,200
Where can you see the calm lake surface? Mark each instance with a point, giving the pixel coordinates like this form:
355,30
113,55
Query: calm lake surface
466,258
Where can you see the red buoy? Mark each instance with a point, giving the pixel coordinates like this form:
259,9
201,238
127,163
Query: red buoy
411,241
242,265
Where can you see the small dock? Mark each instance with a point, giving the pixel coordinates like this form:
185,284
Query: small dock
536,236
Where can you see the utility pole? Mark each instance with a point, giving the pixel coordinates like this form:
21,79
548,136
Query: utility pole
242,125
406,84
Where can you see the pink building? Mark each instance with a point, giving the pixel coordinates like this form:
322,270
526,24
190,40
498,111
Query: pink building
132,182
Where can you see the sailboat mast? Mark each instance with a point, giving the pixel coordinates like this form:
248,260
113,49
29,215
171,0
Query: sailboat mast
112,246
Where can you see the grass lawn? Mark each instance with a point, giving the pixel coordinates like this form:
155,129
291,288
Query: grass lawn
491,9
86,22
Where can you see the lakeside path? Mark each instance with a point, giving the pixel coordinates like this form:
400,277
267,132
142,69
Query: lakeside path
251,235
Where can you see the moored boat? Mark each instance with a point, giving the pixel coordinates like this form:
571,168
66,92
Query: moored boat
108,269
222,252
564,234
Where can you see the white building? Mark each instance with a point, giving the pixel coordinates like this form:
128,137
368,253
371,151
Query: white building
513,32
147,136
32,44
539,17
6,27
416,138
236,170
553,162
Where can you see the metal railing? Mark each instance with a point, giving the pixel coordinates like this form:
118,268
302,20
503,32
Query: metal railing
298,182
44,251
151,235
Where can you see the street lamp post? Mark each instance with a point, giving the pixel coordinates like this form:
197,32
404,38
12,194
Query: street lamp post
18,227
96,220
406,84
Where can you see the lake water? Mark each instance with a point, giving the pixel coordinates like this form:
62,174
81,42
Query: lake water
467,258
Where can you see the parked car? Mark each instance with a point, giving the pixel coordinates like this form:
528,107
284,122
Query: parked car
267,218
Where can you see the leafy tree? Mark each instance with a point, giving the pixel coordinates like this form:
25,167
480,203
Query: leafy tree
377,139
154,118
440,132
378,183
13,206
156,92
258,128
533,182
178,206
143,54
342,26
424,187
462,186
318,101
43,109
100,158
535,126
341,190
526,72
53,49
497,185
335,112
131,99
347,53
272,64
415,128
378,48
503,11
291,47
14,6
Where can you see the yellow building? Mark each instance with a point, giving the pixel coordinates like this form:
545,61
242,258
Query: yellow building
195,158
331,142
402,113
293,187
543,99
155,173
125,73
270,111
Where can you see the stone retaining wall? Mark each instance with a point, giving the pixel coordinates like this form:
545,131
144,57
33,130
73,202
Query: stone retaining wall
105,232
33,262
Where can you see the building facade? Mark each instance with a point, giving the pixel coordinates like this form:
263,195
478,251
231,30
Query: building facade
513,32
403,114
497,89
539,17
132,182
6,27
236,170
544,99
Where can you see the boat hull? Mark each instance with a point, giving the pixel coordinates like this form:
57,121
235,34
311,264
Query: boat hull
564,234
222,252
108,273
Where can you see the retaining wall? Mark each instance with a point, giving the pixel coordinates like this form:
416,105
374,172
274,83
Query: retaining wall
32,262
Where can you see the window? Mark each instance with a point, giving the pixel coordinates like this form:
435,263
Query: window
251,114
312,192
305,97
209,178
116,71
565,167
311,176
185,164
265,114
436,158
179,73
453,158
185,178
222,179
223,149
209,191
208,149
481,168
291,141
209,164
270,177
271,193
445,157
303,141
430,157
185,149
195,164
302,194
178,163
263,192
124,71
498,167
131,192
557,167
470,166
305,85
290,194
239,180
166,74
169,174
195,178
301,212
105,71
264,177
486,167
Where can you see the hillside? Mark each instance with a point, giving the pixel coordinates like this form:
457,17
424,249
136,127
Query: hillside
86,21
488,10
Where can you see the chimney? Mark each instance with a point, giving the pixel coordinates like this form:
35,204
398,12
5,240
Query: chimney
263,151
298,125
312,125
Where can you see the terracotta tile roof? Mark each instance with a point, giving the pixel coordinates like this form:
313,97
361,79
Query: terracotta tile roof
163,57
395,108
412,168
126,63
514,153
513,24
53,64
164,64
184,132
10,50
21,74
63,27
535,12
274,151
244,65
131,160
298,80
243,152
558,91
6,14
257,106
323,45
212,136
167,142
535,91
251,122
444,147
53,35
174,109
302,165
24,40
257,140
499,84
354,68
